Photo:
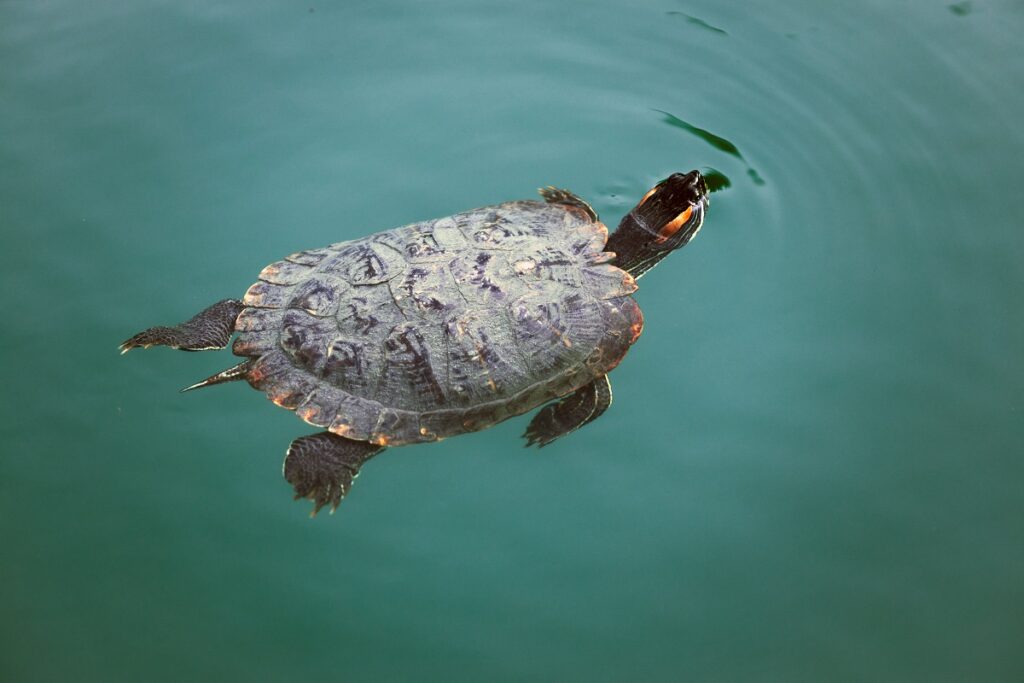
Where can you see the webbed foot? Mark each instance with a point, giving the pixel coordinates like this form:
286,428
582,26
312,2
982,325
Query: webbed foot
321,467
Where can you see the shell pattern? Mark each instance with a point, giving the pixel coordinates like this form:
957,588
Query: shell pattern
440,327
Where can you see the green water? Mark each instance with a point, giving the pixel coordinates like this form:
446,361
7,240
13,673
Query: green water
813,468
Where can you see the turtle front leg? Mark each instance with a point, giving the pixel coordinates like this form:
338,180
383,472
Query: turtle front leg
321,467
556,195
210,329
569,413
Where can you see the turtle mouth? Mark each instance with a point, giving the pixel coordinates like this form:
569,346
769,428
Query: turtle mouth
699,201
685,189
696,187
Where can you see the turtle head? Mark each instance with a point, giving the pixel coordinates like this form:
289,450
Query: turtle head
665,219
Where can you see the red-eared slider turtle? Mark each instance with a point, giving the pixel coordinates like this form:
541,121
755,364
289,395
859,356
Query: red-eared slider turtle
444,327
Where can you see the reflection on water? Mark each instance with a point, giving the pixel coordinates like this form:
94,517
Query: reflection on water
715,179
715,141
698,22
961,9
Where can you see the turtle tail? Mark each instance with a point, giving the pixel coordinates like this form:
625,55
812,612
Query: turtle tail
240,371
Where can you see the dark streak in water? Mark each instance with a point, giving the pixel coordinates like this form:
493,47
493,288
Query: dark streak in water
705,135
961,9
715,141
699,22
715,180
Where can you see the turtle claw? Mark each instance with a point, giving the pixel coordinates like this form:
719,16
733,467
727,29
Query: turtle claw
130,344
323,495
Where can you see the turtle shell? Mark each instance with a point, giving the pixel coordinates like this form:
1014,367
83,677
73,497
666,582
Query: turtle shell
440,327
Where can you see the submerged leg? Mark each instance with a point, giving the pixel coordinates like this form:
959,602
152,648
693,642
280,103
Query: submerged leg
210,329
321,467
569,413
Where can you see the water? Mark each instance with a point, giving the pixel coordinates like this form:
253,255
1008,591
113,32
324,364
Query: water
812,470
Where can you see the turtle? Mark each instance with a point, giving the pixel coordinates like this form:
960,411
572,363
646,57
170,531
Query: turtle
444,327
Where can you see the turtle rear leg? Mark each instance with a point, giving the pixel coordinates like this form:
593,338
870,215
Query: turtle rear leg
569,413
321,467
210,329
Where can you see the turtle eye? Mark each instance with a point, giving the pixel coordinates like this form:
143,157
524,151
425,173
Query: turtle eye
672,227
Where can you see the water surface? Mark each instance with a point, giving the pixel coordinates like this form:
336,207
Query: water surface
812,470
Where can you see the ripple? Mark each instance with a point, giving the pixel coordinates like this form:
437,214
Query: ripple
961,9
715,141
698,22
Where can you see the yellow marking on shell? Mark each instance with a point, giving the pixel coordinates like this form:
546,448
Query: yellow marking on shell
270,271
629,284
380,440
264,295
672,227
637,325
252,295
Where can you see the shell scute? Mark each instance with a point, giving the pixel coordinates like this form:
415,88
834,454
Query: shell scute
364,263
424,290
258,320
396,427
354,364
556,332
356,418
365,314
319,296
266,295
255,344
429,241
608,282
285,273
549,263
306,339
410,379
266,367
309,257
483,362
481,277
